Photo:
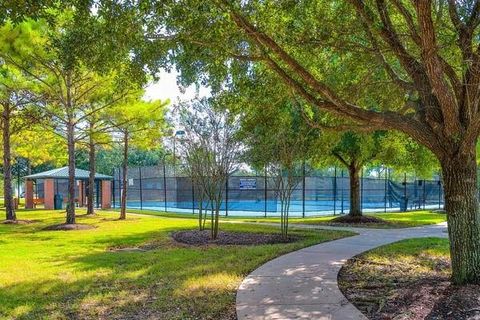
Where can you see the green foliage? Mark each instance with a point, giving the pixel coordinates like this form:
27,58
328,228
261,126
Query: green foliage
39,146
357,147
278,136
143,122
403,154
279,141
108,159
390,149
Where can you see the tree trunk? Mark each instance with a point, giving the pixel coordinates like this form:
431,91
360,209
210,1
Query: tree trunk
461,205
212,220
91,176
7,167
71,172
200,217
217,217
355,201
123,204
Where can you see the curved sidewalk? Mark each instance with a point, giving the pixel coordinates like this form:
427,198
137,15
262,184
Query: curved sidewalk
303,284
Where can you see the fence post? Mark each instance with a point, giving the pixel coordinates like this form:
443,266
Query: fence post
265,190
226,197
334,190
405,190
193,198
140,185
341,212
439,194
386,189
361,191
164,185
303,190
424,193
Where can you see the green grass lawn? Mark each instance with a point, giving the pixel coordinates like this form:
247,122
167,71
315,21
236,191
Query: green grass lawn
419,253
394,220
163,213
76,275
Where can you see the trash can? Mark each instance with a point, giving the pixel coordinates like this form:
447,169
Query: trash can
403,204
57,202
15,203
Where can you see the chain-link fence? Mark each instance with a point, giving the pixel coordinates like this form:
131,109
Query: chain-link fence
158,188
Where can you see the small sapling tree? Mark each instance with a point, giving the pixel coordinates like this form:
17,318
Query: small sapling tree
211,151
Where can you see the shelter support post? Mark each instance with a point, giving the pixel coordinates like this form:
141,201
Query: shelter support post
49,192
28,194
106,194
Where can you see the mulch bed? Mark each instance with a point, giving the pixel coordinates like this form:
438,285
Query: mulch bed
68,227
458,303
199,238
409,297
19,221
348,219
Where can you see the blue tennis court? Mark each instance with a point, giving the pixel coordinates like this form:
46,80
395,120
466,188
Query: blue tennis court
148,188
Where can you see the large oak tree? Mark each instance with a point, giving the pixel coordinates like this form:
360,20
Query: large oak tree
422,59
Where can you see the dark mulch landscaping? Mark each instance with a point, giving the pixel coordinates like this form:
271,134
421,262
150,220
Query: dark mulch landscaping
68,227
458,303
198,238
348,219
395,292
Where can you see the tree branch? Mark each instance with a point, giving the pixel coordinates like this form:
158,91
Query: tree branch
434,69
339,157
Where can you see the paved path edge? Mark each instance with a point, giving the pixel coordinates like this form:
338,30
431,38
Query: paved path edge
303,284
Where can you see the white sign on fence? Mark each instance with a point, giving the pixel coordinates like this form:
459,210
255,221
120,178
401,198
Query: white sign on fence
248,184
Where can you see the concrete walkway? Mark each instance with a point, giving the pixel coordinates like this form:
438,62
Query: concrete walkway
303,284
